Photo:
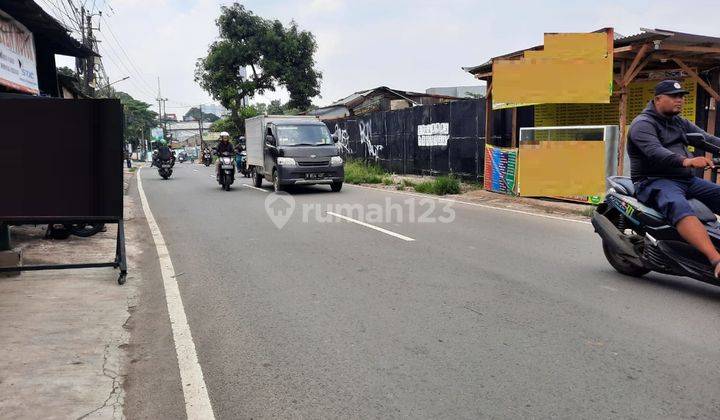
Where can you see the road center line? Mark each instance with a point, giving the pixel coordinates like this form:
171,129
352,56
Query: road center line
197,400
379,229
255,188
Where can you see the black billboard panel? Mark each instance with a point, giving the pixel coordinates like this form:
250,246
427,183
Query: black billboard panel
61,160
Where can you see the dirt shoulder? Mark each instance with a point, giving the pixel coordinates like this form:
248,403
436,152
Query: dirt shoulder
472,193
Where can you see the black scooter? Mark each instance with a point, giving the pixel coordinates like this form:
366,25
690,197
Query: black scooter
226,175
637,239
207,158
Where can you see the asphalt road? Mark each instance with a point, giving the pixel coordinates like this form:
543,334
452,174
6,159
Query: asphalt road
468,313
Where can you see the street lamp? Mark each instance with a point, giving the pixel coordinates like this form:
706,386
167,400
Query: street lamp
117,81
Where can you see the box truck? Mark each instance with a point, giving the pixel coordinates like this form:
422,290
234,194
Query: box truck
292,150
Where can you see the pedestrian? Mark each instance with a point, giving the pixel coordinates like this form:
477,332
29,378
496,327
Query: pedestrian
128,162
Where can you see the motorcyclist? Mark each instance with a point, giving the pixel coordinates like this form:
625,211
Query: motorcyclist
662,167
206,154
224,146
163,152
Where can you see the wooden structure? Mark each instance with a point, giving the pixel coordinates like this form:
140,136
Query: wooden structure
693,56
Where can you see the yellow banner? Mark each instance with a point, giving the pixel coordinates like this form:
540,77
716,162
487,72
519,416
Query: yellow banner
561,168
572,68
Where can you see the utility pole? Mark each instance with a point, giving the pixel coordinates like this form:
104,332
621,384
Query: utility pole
89,41
202,143
161,112
79,62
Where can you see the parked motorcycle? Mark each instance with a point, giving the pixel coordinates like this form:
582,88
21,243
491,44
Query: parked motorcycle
226,175
637,239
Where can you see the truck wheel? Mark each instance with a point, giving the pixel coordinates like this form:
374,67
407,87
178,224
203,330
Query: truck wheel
336,186
257,178
276,181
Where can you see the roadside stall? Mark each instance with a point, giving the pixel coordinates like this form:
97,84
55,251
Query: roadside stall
576,83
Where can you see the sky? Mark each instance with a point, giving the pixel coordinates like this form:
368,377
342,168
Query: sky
404,44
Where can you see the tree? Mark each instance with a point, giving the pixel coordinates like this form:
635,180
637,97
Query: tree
139,119
230,125
66,71
276,55
275,108
194,112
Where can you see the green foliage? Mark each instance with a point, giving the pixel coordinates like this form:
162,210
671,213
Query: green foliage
275,54
194,112
66,71
275,108
225,124
357,172
139,119
442,185
236,126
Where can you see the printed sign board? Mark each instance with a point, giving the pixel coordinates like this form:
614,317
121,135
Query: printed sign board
436,134
17,56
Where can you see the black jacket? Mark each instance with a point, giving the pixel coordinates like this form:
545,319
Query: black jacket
657,145
225,147
164,153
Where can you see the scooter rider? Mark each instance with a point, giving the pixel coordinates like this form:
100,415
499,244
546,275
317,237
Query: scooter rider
164,153
662,167
224,146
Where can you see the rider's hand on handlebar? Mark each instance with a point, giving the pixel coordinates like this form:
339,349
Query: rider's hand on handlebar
698,162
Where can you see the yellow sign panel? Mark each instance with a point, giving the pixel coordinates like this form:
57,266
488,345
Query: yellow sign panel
572,68
561,168
639,94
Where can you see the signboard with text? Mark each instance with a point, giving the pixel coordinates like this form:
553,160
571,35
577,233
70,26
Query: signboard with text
17,56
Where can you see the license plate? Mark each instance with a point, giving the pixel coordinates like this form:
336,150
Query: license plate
166,166
315,176
227,166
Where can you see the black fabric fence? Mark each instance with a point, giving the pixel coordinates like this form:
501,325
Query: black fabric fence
432,139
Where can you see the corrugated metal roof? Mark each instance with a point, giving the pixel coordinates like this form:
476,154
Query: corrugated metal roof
664,34
359,96
646,35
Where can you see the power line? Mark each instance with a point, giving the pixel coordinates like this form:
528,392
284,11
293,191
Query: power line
58,14
130,60
110,54
120,64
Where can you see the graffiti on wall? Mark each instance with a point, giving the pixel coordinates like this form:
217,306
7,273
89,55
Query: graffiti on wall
365,128
343,138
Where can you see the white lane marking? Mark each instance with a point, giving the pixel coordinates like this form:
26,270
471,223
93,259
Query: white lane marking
379,229
197,400
612,289
255,188
485,206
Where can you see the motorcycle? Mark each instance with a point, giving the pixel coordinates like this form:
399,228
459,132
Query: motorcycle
207,158
637,239
241,162
165,168
226,174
